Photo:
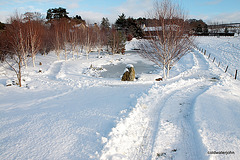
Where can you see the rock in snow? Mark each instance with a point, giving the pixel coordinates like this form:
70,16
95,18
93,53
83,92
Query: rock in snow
129,73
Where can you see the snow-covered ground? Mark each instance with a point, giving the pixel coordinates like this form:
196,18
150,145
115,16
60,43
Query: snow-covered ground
226,50
68,111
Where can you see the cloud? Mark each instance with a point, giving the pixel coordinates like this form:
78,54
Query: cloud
134,8
232,17
73,6
91,17
4,16
227,17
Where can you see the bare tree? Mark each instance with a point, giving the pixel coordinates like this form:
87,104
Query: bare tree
16,45
81,38
101,38
75,35
35,29
4,45
65,27
116,40
167,37
89,39
57,41
47,40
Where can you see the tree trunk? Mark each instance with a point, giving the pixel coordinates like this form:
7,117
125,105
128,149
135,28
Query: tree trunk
25,61
99,50
33,60
65,53
19,74
168,70
164,70
58,54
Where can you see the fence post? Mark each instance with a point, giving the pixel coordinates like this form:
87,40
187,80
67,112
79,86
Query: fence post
209,56
218,64
226,69
236,74
213,59
205,52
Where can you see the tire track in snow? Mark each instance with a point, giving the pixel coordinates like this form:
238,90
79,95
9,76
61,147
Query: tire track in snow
176,135
177,115
156,116
137,136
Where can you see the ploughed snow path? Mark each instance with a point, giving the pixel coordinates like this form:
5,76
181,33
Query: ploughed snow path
163,124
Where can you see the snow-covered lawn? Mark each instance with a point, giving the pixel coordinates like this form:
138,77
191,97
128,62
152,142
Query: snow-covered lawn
68,111
226,50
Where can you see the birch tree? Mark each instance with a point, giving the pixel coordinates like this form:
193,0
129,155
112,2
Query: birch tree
35,29
57,41
89,39
73,38
16,45
167,37
101,38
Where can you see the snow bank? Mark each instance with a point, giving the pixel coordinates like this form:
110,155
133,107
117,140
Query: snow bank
217,115
132,45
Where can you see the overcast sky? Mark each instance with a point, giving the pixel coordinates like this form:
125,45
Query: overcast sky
222,11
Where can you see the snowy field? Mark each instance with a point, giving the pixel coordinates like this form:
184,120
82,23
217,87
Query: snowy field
226,50
73,111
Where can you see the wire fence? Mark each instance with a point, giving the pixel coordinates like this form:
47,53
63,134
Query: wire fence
218,63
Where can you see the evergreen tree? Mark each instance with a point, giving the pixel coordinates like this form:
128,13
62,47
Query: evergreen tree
121,22
57,13
2,26
105,23
205,29
133,28
226,30
129,26
79,19
199,29
198,26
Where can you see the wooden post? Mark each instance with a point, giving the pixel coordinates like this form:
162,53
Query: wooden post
218,64
209,56
205,52
213,59
236,74
226,69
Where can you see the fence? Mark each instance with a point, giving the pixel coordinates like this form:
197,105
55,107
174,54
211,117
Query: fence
226,68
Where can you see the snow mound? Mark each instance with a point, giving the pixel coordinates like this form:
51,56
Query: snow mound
132,45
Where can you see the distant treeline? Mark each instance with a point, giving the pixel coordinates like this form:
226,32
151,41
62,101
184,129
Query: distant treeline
200,28
214,34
